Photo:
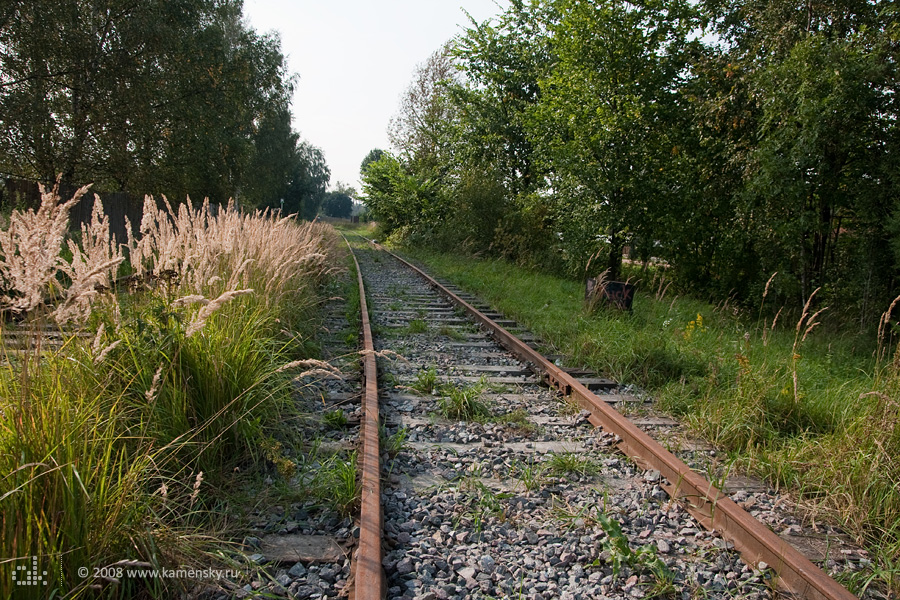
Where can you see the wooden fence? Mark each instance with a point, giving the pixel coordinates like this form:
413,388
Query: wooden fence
23,194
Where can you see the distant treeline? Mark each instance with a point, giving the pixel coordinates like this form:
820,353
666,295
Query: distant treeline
152,97
733,139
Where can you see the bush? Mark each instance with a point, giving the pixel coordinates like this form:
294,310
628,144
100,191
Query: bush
113,440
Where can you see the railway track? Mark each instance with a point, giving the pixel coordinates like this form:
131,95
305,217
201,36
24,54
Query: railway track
499,474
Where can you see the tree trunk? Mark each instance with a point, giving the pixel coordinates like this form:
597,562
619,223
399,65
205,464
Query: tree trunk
614,264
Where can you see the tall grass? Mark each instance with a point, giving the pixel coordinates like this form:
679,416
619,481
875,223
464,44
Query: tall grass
113,442
812,407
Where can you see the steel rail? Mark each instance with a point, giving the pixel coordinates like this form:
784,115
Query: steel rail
369,581
716,511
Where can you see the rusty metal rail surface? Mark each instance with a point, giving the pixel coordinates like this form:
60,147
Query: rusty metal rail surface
369,580
756,542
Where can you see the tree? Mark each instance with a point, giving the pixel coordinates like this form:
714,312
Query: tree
145,97
398,199
234,79
308,182
823,138
61,65
733,138
420,131
503,62
816,144
337,204
272,162
374,155
493,190
604,119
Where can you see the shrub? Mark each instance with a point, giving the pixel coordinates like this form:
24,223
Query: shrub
111,436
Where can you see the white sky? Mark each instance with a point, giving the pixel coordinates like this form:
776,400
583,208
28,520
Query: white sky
355,58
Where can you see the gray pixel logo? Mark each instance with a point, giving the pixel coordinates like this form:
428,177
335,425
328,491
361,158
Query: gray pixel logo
23,575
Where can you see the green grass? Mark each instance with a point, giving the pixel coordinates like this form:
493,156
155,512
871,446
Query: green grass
337,483
517,419
642,559
352,311
480,502
571,463
417,326
531,474
464,403
395,443
426,380
122,458
818,415
452,333
124,447
66,485
335,419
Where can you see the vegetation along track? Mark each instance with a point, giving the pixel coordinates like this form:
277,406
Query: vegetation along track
497,486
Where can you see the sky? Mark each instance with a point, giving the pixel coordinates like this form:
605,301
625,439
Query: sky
355,58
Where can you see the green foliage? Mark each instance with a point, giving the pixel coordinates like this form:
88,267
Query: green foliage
451,332
395,443
504,62
273,160
417,326
480,501
621,554
309,180
604,121
426,380
118,446
464,403
373,156
213,390
561,464
823,140
69,497
577,129
398,199
422,129
337,484
517,419
167,97
532,474
335,419
337,204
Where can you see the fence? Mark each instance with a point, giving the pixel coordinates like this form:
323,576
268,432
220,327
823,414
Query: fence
24,194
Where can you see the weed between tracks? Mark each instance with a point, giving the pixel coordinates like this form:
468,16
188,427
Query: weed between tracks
467,402
452,333
803,404
335,419
426,381
464,403
535,474
392,444
417,326
116,442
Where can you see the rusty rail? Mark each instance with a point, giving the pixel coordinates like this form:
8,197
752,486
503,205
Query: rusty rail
756,542
369,580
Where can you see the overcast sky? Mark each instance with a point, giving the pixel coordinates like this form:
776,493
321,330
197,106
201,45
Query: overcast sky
355,58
